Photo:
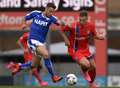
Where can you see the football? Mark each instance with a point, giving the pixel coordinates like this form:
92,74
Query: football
71,79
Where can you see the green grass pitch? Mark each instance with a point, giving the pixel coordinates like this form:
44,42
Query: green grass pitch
46,87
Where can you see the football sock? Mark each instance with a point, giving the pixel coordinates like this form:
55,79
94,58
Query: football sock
25,65
36,74
39,68
86,74
92,74
49,66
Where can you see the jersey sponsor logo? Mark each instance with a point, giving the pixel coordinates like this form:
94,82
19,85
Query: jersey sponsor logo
81,38
42,23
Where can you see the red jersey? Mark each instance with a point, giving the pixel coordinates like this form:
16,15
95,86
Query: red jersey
23,42
79,36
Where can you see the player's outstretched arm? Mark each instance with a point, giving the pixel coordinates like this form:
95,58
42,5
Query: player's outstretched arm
66,40
19,43
62,31
63,27
99,34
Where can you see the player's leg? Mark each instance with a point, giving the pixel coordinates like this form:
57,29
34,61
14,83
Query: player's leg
20,66
25,65
40,66
92,73
10,65
41,50
14,67
92,70
83,63
81,60
89,70
35,72
35,60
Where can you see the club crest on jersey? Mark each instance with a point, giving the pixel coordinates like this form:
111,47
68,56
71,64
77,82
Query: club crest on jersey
42,23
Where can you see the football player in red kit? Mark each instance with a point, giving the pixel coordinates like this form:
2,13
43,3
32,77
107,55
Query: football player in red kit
78,45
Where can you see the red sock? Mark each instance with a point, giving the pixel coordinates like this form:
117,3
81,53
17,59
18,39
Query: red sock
86,74
36,74
92,74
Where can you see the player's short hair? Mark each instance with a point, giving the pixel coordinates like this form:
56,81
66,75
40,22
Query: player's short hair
51,5
83,13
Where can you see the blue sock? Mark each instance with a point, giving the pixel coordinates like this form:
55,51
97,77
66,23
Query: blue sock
26,65
49,66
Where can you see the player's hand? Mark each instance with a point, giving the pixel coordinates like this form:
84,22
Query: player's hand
24,26
101,34
62,23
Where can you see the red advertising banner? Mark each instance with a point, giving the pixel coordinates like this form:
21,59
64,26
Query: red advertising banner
13,20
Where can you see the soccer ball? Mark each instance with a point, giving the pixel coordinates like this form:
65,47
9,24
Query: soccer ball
71,79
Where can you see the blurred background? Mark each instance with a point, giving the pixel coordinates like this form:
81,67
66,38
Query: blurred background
104,13
113,43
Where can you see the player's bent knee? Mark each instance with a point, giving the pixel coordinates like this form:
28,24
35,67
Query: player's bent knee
43,53
93,66
85,63
46,55
85,66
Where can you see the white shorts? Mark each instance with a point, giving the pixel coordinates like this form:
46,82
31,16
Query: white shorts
32,43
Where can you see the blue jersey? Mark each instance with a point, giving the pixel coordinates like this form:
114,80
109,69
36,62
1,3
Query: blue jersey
40,25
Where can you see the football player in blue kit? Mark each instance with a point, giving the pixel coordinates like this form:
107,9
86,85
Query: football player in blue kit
37,36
